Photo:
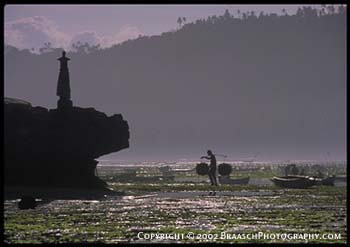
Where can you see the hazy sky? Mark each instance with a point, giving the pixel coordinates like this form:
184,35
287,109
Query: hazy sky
28,26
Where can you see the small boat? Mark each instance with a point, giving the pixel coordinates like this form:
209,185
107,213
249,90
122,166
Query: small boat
227,180
295,182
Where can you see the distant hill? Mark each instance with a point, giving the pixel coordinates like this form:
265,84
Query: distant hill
269,84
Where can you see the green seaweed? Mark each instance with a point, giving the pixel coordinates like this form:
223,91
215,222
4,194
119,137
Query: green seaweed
319,209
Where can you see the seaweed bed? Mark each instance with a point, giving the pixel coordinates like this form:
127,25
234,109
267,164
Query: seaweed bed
180,208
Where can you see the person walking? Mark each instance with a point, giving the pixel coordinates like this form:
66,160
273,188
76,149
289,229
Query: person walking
212,167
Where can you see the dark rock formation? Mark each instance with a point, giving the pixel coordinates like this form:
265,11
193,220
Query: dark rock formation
58,147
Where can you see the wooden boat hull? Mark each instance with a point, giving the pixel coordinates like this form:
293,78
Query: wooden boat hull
226,180
329,181
341,179
294,182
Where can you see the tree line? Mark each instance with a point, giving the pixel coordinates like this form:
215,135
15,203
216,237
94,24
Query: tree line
307,14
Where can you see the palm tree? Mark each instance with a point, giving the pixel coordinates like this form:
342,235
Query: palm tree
284,11
330,9
227,15
209,20
261,14
341,9
179,21
299,12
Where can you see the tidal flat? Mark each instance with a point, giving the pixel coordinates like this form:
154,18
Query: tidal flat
179,207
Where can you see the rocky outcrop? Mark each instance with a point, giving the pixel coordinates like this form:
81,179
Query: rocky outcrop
58,147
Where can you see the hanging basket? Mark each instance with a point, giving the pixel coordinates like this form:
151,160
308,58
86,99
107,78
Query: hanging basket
202,169
224,169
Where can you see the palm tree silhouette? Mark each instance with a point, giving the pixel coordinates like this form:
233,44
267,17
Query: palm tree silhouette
239,13
179,21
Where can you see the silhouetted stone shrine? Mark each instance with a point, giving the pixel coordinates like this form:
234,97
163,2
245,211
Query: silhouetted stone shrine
63,84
